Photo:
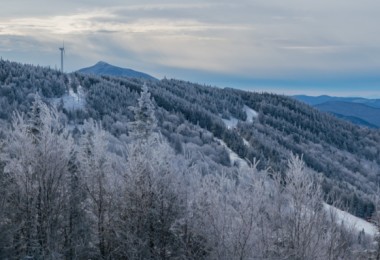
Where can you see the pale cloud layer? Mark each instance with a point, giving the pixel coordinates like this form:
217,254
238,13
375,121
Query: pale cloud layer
293,45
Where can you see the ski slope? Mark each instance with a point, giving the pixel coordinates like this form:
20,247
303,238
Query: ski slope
351,221
72,100
234,158
251,114
232,122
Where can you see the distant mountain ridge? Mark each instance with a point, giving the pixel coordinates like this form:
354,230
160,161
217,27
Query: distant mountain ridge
355,120
359,111
103,68
366,113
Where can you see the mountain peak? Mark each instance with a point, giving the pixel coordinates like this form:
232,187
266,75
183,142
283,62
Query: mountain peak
104,68
101,63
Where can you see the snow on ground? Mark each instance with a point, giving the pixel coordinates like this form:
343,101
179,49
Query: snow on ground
231,123
234,158
246,143
72,100
251,114
352,221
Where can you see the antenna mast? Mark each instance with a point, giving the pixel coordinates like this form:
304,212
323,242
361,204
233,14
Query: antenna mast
62,49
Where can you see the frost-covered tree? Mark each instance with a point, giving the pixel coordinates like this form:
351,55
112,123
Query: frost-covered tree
151,200
145,121
298,226
101,186
304,218
252,214
6,227
36,157
77,242
150,203
226,213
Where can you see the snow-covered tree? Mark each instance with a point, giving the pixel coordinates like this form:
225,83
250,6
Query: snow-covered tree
150,202
101,186
77,242
145,121
298,225
36,156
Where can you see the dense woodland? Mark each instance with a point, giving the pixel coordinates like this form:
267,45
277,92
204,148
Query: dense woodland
139,172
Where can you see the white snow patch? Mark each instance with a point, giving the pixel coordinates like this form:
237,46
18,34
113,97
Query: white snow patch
72,100
251,114
231,123
246,143
234,158
352,221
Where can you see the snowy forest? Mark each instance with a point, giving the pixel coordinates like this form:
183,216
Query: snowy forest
97,167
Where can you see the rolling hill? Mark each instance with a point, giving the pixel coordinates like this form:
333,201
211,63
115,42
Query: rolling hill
316,100
359,111
194,117
370,115
108,164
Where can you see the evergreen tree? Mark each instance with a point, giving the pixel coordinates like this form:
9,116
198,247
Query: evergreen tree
145,121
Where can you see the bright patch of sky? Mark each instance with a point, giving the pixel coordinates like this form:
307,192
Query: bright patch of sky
289,47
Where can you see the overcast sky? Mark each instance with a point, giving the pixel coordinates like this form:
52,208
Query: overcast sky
283,46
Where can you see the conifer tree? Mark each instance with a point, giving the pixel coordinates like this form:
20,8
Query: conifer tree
145,121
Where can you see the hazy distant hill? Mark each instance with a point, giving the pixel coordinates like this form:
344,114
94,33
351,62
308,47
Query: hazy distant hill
313,100
360,111
352,110
324,98
103,68
355,120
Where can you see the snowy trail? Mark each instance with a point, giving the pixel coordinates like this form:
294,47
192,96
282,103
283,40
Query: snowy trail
352,221
234,158
72,100
251,114
232,122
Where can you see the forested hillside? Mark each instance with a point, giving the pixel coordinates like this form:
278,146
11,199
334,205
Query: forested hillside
346,154
99,167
